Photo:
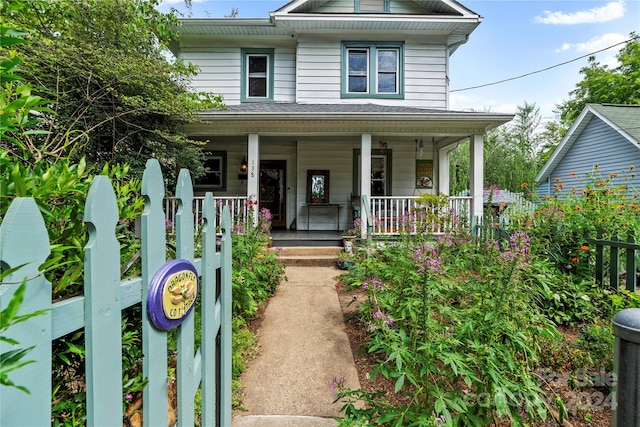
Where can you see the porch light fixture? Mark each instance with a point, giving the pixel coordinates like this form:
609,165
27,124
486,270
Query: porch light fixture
420,145
243,169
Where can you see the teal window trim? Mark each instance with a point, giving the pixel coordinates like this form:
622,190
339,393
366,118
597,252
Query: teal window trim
372,77
244,96
205,182
386,7
356,168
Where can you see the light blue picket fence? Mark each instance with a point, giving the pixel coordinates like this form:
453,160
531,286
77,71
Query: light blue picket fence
24,240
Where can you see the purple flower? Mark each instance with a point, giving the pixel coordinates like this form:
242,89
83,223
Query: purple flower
169,224
428,259
372,282
128,396
338,383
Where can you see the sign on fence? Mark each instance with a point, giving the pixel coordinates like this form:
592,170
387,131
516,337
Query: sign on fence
24,242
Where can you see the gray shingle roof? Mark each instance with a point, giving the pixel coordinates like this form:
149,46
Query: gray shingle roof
627,117
295,108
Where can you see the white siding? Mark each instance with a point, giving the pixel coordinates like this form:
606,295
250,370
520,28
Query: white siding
347,6
337,157
337,6
319,72
221,71
284,87
425,76
599,145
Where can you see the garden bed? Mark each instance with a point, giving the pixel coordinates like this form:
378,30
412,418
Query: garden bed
586,406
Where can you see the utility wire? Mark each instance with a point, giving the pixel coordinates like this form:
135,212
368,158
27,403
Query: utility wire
540,71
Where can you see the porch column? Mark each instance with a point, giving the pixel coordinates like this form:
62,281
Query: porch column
365,178
253,178
476,174
443,171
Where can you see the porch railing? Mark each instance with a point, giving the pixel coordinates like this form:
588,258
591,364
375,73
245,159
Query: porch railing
392,215
237,207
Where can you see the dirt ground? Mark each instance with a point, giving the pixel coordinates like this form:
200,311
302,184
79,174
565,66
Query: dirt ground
586,406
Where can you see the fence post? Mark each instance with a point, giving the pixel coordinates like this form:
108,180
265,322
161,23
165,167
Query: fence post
614,264
24,241
599,258
103,329
210,311
625,403
154,342
226,302
632,263
184,250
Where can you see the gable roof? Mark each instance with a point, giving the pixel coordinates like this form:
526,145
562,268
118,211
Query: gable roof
623,119
432,7
447,20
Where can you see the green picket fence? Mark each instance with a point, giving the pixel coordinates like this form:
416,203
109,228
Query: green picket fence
619,249
24,242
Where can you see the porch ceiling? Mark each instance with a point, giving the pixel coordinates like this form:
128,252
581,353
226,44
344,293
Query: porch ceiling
342,119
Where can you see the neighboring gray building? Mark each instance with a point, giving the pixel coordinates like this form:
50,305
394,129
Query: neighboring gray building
604,138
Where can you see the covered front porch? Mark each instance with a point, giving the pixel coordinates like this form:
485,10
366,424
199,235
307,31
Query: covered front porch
318,167
379,216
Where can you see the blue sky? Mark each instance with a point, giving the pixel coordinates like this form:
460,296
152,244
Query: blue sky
516,37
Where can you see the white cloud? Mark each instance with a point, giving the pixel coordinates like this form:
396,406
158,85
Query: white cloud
595,43
608,12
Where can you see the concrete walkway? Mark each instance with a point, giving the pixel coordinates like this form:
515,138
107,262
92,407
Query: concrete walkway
303,348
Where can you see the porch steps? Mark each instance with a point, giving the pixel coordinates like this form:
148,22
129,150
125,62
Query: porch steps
309,256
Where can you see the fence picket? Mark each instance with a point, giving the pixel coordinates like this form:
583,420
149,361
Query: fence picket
225,330
103,329
599,258
210,311
184,250
632,264
614,264
24,240
154,342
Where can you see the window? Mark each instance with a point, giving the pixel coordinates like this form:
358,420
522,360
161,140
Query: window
216,176
380,172
372,70
257,75
378,6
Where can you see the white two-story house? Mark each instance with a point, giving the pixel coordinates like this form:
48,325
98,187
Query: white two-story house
331,100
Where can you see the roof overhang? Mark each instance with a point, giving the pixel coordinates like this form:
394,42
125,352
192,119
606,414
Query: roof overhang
320,120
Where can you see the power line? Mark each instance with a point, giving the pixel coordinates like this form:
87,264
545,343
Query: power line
540,71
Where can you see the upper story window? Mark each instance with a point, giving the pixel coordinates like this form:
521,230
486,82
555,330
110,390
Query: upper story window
257,75
379,6
372,70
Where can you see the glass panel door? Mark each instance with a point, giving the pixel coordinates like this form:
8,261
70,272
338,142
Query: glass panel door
272,190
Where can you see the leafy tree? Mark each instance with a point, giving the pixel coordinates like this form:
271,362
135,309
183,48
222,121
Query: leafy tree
510,153
117,96
601,84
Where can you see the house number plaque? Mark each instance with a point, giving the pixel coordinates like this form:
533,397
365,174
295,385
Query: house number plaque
172,294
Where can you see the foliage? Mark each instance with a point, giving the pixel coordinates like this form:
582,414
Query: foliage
117,96
13,359
460,347
511,153
256,270
601,84
60,190
563,222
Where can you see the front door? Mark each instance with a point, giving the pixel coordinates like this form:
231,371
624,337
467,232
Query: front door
272,190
